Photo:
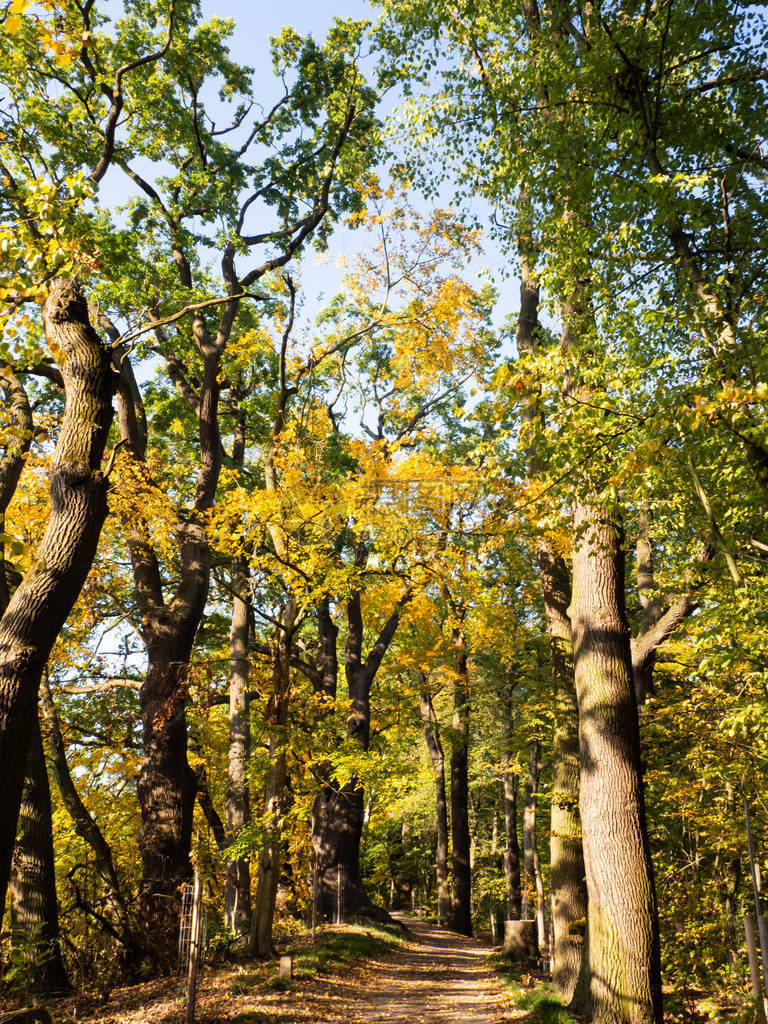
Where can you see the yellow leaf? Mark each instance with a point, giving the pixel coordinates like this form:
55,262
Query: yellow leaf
12,24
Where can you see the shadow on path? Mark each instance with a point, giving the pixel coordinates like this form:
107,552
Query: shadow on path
437,977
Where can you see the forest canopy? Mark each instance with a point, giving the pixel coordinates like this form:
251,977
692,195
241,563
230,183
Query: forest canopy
383,482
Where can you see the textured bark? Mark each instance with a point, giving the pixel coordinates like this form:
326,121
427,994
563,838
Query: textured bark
85,825
338,815
624,961
437,757
569,887
44,598
167,786
34,909
569,890
520,941
461,909
237,893
328,659
541,923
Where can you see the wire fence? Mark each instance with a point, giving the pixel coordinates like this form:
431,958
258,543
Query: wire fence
186,920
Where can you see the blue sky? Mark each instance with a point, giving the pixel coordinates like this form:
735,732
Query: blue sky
257,21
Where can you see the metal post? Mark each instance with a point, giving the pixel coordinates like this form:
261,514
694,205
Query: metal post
194,949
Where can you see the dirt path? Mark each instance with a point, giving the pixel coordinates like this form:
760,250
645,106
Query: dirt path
437,977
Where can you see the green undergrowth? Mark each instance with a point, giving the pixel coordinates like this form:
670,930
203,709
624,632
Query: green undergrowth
334,948
531,993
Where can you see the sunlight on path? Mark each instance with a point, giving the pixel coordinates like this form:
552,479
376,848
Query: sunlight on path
436,978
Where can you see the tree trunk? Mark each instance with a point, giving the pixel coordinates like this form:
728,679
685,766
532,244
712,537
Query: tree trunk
44,598
167,786
520,941
541,922
34,909
530,852
237,894
435,748
260,939
511,847
569,887
510,783
624,961
338,814
85,826
461,910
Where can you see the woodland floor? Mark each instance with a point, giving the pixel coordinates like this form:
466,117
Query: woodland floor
433,977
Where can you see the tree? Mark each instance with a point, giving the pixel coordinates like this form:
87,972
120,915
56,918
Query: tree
437,757
211,178
34,909
44,598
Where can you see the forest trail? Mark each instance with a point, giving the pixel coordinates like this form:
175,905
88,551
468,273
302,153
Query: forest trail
435,977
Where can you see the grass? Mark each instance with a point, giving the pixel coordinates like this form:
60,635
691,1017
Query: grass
531,994
338,947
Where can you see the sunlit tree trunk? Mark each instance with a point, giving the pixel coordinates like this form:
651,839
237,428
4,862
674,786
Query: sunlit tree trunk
34,908
624,960
569,887
41,603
